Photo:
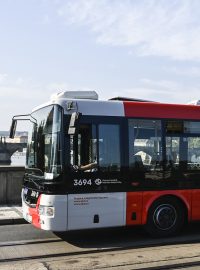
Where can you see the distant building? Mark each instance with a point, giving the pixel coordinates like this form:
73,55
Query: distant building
20,137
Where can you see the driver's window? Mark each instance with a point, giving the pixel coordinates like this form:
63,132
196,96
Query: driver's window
109,147
83,148
92,153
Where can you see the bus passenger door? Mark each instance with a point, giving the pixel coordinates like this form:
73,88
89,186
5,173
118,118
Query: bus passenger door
96,200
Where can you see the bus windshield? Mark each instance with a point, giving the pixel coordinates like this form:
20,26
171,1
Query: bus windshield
43,149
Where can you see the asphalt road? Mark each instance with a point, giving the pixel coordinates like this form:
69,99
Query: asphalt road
24,247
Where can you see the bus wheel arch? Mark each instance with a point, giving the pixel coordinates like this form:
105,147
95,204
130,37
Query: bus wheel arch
166,216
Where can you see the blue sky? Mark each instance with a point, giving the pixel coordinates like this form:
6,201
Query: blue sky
147,49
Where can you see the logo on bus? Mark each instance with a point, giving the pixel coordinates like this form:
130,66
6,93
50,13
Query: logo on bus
98,181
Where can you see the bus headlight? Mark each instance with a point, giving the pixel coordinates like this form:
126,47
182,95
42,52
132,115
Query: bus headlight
46,210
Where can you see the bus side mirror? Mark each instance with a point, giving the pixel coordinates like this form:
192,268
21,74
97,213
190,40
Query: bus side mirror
73,123
13,128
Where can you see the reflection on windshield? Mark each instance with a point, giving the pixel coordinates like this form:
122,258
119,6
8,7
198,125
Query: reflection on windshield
43,151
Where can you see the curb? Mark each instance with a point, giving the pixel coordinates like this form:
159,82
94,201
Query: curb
13,221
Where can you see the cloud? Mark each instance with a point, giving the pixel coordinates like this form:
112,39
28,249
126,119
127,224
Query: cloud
3,77
46,19
18,88
20,96
185,71
149,27
161,91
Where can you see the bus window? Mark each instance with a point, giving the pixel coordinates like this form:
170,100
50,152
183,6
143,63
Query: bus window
44,142
145,150
176,147
85,152
109,148
193,153
83,147
191,127
172,152
183,148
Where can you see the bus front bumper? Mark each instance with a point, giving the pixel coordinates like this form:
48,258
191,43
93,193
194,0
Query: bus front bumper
50,212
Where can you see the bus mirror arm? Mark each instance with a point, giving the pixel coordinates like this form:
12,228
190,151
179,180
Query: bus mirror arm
15,118
13,128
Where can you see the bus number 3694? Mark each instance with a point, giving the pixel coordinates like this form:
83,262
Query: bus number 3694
86,182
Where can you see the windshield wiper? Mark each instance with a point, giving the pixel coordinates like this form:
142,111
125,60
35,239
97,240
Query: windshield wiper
32,170
34,179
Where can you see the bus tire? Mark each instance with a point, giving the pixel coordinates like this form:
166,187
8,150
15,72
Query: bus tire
166,217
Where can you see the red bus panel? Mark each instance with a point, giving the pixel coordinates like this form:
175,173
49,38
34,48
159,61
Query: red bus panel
160,110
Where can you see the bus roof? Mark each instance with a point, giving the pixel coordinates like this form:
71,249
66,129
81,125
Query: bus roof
128,108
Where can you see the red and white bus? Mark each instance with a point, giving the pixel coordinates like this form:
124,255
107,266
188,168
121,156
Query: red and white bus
145,156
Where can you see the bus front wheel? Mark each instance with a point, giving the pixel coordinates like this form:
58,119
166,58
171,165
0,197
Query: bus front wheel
166,216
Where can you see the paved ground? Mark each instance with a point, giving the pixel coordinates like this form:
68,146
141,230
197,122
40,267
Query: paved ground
91,250
11,215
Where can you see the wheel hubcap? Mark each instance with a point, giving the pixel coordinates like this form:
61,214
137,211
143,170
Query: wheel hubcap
165,216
